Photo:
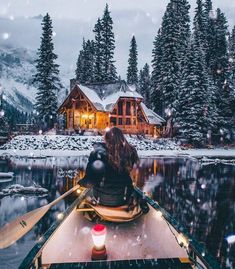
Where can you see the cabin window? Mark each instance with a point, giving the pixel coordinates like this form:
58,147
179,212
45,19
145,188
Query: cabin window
120,108
113,121
128,108
128,121
134,108
119,121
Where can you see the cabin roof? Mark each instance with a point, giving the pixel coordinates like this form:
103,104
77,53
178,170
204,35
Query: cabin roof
152,117
104,96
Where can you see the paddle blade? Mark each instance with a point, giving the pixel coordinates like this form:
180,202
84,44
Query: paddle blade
17,228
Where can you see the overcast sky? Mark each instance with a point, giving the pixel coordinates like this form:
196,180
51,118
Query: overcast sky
73,19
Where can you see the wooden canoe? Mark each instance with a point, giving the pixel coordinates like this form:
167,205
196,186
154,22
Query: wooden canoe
154,240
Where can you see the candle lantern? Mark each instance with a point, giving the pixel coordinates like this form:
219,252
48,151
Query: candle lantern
98,233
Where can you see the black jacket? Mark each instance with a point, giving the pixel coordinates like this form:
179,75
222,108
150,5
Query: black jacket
110,187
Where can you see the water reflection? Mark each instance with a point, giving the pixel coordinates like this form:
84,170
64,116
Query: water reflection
201,197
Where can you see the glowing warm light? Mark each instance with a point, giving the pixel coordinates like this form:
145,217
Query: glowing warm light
85,116
98,233
78,191
182,240
60,216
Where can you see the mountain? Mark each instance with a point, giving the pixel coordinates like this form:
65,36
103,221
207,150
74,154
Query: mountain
16,70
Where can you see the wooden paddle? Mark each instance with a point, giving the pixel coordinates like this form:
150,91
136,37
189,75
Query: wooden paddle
17,228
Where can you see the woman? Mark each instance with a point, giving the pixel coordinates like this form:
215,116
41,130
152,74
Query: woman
108,169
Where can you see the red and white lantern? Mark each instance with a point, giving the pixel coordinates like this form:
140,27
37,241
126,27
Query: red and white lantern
98,233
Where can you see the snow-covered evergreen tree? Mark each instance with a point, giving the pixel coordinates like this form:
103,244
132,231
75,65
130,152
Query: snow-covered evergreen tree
192,102
89,61
220,62
79,72
232,57
98,65
145,84
108,46
156,77
86,62
200,25
47,76
132,69
210,17
175,32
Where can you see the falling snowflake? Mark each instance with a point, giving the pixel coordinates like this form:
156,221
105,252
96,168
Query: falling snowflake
6,36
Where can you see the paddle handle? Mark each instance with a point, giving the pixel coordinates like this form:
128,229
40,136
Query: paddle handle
63,195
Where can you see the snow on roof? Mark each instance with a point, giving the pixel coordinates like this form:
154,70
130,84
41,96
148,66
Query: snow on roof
153,117
92,96
109,100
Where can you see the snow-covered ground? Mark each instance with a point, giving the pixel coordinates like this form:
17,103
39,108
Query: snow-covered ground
19,189
60,145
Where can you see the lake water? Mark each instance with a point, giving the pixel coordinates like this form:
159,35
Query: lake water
199,195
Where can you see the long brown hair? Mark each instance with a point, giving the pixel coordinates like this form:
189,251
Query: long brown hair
121,154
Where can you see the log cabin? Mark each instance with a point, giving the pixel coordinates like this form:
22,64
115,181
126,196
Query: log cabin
94,107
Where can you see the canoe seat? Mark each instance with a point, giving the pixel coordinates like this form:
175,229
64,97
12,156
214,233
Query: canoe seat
113,214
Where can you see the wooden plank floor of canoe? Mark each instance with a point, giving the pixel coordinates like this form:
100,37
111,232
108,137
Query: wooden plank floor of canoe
148,237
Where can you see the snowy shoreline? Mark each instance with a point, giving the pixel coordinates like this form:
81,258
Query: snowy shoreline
42,146
196,153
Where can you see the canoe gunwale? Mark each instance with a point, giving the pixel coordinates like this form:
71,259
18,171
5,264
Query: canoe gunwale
34,256
194,246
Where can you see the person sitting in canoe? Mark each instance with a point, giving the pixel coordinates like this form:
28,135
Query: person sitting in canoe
108,171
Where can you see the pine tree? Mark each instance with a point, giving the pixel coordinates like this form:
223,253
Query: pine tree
145,84
86,62
46,77
98,61
220,62
232,57
221,73
200,32
89,61
132,70
175,32
192,101
79,72
108,46
210,31
156,77
200,24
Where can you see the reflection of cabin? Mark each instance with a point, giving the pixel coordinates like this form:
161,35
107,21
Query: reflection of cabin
97,106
